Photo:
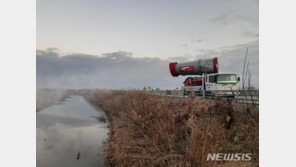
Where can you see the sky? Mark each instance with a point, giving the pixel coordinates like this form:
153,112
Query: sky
138,38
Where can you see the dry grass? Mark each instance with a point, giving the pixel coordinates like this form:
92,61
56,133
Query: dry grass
148,130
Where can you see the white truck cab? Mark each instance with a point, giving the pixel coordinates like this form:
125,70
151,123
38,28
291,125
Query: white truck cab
213,83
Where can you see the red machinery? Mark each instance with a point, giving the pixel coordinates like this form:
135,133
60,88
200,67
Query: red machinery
198,67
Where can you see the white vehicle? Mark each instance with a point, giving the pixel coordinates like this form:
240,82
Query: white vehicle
214,84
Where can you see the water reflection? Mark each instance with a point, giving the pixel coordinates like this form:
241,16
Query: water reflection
64,130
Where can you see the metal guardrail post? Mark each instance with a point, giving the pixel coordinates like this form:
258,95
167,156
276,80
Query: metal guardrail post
203,85
248,96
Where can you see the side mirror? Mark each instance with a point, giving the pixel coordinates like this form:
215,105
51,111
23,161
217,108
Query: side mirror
238,78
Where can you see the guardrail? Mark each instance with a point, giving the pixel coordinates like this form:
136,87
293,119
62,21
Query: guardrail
247,96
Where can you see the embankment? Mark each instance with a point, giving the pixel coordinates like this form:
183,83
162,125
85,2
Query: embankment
48,97
149,130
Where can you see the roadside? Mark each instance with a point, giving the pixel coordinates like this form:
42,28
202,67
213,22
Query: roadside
150,130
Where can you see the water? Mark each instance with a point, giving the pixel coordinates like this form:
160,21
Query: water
65,129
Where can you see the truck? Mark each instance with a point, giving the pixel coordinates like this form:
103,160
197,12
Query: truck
206,80
215,84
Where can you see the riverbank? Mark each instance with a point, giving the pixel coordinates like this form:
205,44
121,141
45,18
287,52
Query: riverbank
48,97
149,130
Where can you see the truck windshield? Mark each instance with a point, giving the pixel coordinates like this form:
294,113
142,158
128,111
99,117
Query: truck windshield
227,78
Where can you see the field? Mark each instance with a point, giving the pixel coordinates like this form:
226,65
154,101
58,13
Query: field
149,130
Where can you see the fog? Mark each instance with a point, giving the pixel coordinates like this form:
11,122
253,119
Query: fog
122,69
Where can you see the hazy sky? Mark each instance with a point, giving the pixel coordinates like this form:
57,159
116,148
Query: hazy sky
148,28
129,43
